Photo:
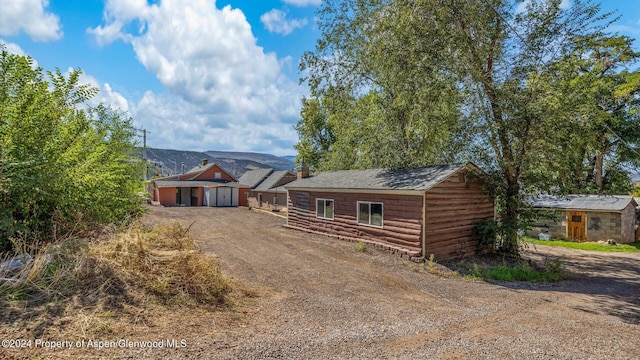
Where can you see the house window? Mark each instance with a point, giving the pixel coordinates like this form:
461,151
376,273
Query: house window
324,208
218,175
370,213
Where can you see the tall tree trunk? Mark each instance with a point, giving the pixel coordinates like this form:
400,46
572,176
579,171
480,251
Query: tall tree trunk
512,205
599,182
510,220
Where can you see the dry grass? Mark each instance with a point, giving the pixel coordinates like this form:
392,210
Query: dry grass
165,263
125,279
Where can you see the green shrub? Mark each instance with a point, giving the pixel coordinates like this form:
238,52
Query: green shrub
520,272
63,166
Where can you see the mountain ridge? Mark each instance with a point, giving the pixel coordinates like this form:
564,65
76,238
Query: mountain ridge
277,162
170,162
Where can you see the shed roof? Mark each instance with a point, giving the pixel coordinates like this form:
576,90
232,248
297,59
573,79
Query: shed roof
194,183
420,178
253,178
272,180
198,170
194,172
585,202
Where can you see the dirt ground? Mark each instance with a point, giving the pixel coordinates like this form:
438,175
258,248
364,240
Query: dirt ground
320,298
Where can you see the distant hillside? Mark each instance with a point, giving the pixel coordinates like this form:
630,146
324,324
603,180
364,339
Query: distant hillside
169,162
291,158
277,162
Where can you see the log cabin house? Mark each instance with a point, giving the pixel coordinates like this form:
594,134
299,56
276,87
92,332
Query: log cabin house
266,188
417,212
588,218
254,177
271,194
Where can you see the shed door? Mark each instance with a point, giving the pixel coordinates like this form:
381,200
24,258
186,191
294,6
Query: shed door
213,197
576,221
234,196
224,196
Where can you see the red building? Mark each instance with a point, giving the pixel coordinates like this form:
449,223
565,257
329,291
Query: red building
204,185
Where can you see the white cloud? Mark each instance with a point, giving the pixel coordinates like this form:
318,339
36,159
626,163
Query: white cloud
624,29
223,90
302,2
117,14
276,21
29,16
177,124
13,48
109,96
106,95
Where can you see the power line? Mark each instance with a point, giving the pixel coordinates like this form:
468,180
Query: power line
144,150
621,139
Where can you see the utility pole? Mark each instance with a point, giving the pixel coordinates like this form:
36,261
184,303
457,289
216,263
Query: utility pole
144,151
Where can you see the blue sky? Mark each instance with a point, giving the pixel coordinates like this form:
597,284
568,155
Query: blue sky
198,74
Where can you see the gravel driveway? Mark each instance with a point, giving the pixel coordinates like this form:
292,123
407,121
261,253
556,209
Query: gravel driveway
320,299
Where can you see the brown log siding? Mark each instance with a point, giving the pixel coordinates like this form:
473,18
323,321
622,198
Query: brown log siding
453,207
402,216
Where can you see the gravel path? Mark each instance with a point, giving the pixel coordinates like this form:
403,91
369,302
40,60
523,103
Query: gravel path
320,298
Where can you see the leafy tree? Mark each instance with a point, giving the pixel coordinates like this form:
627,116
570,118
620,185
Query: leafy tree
601,123
60,165
450,79
375,79
505,55
316,134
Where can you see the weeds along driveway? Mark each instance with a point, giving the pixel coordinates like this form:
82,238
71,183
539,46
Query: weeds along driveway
320,298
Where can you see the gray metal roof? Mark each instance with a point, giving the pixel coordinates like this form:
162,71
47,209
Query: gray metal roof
585,202
254,177
272,180
194,183
274,190
421,178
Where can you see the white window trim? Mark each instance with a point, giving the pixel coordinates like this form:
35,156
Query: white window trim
358,214
325,208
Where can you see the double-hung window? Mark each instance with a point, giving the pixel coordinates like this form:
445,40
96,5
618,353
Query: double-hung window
370,213
324,208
